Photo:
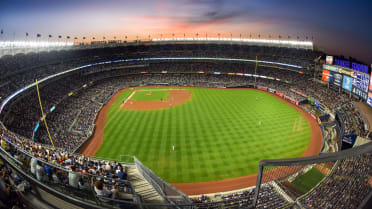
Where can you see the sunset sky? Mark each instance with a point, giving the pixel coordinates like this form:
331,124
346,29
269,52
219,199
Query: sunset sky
338,27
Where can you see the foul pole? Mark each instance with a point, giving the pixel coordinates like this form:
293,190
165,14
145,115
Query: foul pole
42,114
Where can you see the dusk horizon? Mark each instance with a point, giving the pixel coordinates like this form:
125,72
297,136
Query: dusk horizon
337,29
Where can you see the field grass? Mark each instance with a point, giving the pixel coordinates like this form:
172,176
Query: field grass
216,134
149,95
307,181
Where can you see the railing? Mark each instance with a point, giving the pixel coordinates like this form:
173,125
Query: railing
312,170
61,189
172,195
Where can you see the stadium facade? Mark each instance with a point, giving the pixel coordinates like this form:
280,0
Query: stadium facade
68,79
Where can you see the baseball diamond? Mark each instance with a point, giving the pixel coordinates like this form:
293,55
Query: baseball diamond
216,132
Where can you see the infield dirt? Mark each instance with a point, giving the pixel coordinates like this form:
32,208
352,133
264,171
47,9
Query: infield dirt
314,147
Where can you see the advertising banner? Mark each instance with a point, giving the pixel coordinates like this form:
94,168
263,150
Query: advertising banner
279,93
271,90
325,76
262,88
330,67
369,101
360,93
316,103
291,99
299,93
313,116
329,60
349,138
347,83
370,81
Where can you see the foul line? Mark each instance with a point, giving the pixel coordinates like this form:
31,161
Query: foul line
130,96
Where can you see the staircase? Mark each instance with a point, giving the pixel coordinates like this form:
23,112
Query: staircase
142,187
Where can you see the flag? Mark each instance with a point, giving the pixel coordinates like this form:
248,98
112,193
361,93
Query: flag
38,35
50,36
59,36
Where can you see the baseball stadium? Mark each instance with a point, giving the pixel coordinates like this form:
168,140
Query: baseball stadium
181,121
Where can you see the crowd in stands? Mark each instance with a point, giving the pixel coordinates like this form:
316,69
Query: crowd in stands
353,122
21,70
268,198
72,121
11,187
346,187
59,167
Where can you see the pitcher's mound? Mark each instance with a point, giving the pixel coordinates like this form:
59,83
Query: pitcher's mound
176,97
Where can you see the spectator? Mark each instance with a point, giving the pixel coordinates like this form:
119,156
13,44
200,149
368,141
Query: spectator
40,171
33,165
73,177
101,190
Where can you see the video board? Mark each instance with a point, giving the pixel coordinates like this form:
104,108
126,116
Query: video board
361,81
360,85
369,100
335,80
347,83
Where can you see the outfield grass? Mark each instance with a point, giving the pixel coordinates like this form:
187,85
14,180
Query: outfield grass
216,134
156,95
308,180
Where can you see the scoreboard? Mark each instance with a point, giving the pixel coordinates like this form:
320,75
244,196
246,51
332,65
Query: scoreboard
360,85
369,100
347,83
361,81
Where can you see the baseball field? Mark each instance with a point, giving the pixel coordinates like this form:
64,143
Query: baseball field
198,134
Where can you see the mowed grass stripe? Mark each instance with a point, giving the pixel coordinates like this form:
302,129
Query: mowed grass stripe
216,134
